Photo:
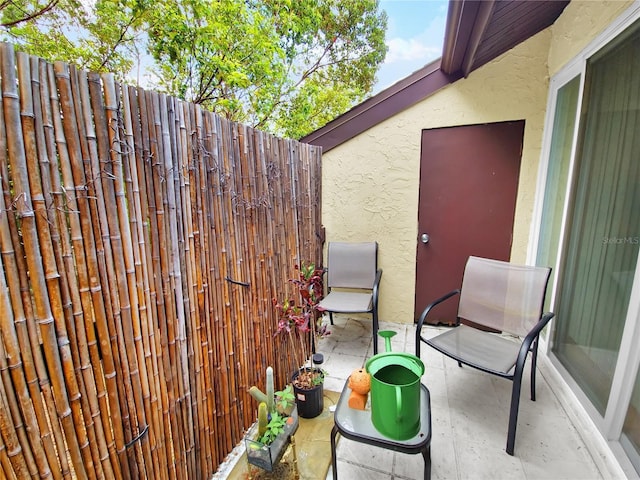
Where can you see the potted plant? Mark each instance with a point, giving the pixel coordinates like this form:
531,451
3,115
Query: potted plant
268,438
301,324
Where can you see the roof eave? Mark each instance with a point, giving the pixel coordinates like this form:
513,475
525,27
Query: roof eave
394,99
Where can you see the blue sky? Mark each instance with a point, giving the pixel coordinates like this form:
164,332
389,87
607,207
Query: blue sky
415,33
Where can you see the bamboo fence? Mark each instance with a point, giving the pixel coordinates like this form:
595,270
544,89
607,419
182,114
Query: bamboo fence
142,242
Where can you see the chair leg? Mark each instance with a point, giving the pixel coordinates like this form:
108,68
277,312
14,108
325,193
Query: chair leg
331,317
534,360
513,413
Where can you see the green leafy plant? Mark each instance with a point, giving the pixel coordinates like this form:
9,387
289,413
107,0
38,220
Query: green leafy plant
285,400
274,428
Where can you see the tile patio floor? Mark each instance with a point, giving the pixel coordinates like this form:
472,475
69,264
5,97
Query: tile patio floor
469,419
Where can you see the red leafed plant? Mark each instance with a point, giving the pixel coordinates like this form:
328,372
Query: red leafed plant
302,324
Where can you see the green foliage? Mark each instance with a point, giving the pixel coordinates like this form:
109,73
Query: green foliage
285,399
274,428
284,66
100,36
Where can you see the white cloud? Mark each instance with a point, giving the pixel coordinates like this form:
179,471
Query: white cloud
401,49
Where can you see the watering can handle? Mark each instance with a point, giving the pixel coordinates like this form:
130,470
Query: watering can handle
398,403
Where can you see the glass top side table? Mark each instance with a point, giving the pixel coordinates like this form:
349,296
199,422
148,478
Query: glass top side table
356,425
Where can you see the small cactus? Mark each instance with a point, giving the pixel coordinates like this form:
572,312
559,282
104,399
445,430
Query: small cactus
258,394
263,419
270,393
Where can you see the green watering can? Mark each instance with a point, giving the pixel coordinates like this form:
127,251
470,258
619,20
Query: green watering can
395,391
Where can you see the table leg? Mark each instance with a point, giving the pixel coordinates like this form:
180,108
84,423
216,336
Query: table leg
334,462
295,456
426,455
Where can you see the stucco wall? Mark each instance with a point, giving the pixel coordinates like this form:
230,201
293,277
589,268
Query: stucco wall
370,184
580,22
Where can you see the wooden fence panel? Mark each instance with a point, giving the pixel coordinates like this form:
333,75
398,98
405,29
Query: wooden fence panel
142,241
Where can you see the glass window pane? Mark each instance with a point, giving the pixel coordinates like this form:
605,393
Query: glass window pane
556,185
604,226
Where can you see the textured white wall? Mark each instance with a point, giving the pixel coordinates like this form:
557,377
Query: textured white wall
578,25
370,184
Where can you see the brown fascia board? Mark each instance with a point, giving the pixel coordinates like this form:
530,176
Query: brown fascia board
399,96
467,21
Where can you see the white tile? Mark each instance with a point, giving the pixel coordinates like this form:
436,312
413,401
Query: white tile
369,456
408,466
478,459
341,365
560,469
443,456
349,471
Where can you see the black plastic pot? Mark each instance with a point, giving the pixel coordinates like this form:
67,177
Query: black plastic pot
310,402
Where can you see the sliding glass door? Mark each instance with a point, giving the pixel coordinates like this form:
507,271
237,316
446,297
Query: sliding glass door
590,231
604,226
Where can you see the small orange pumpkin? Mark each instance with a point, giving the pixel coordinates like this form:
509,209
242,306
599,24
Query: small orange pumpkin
360,381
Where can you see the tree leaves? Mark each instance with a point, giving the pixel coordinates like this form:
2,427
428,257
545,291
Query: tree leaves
284,66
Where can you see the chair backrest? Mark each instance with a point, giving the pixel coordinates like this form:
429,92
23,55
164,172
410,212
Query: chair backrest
502,295
352,265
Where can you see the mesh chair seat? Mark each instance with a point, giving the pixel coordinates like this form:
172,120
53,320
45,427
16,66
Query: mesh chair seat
486,351
347,302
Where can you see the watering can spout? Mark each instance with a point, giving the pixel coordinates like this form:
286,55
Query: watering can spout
387,335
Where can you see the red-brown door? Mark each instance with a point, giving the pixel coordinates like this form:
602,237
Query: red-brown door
468,187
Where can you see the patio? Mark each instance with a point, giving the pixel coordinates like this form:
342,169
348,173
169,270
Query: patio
469,413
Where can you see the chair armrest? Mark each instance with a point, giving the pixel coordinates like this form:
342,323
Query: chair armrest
436,302
424,314
376,286
531,336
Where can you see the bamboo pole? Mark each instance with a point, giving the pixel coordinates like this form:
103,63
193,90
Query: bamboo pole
125,212
215,185
246,334
122,246
204,220
186,235
17,341
200,267
175,274
107,323
123,282
130,168
7,432
5,463
160,401
55,208
158,261
43,313
171,148
81,417
107,390
163,179
78,258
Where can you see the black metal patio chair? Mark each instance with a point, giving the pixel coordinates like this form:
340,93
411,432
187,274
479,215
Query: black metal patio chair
502,297
353,280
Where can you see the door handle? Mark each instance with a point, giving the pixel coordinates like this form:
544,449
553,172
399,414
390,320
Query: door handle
424,238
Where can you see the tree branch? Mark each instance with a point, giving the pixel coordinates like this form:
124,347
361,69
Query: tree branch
27,16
